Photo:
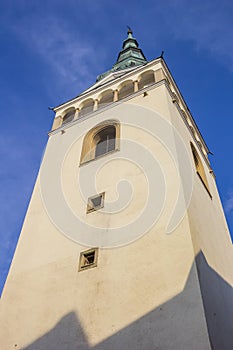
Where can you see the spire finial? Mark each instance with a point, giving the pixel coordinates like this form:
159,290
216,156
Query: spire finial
129,30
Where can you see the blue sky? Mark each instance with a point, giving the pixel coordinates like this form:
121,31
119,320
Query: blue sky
52,50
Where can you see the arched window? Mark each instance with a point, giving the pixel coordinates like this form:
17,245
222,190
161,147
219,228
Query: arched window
199,168
146,79
126,89
105,140
106,99
68,117
87,107
102,139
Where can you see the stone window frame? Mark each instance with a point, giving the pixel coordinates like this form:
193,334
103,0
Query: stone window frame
89,141
85,259
91,206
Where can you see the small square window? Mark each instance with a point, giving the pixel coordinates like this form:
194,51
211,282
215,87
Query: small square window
95,202
88,259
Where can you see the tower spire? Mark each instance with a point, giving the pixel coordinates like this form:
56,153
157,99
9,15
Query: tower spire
130,55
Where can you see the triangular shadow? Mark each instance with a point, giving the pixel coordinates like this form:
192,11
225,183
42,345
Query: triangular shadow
176,324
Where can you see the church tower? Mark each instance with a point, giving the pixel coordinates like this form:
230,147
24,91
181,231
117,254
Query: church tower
125,243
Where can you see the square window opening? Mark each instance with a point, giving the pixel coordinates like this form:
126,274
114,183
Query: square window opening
95,202
88,259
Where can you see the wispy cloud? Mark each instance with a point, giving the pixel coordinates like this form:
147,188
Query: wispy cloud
208,24
19,164
228,203
70,57
16,179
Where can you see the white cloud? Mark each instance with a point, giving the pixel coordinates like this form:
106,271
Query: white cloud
70,57
208,24
19,162
228,203
17,176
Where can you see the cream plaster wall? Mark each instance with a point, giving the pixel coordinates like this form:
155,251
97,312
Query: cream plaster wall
151,284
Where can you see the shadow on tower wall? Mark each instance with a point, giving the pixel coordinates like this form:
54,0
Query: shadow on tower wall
217,296
175,325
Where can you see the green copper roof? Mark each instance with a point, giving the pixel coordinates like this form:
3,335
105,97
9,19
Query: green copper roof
129,56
